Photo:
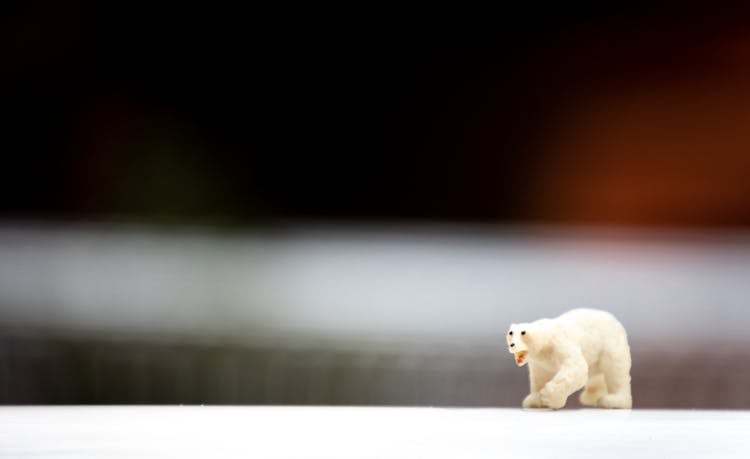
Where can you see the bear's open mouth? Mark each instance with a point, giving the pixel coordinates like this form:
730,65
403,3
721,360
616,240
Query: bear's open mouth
521,358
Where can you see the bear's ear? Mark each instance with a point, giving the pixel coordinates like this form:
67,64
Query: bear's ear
535,335
524,330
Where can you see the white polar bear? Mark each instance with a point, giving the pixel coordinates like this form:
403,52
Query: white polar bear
581,348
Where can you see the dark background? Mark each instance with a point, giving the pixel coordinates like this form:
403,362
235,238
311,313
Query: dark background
255,115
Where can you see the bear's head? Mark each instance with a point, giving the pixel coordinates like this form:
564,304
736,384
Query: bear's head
519,342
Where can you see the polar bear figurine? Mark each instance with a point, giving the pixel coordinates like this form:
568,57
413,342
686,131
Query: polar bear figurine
583,348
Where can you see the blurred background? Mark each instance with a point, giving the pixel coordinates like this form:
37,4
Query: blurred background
320,206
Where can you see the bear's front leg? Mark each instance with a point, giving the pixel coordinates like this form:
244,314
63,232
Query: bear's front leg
553,398
538,377
571,377
533,400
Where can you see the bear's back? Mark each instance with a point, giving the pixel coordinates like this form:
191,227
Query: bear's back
593,326
587,317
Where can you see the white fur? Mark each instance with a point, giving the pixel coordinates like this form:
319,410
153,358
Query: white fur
583,348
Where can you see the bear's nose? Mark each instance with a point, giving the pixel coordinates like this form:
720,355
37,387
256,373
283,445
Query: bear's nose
512,344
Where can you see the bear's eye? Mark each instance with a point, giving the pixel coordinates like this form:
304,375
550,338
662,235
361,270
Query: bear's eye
523,332
511,333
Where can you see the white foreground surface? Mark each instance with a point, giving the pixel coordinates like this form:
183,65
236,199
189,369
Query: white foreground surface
329,432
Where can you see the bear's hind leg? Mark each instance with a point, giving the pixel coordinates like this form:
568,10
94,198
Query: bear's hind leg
617,378
595,388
